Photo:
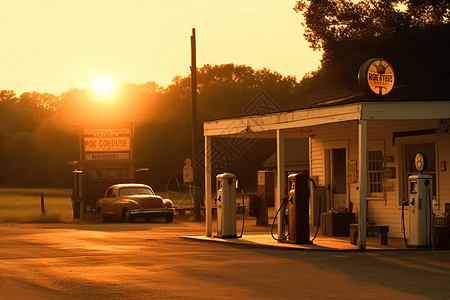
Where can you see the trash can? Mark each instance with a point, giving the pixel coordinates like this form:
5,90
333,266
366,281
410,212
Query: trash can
338,223
255,206
442,236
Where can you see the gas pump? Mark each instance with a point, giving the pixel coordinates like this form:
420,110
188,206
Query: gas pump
297,203
420,190
226,205
298,208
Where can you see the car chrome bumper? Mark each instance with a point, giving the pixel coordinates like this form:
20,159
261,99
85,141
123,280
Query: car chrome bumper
150,211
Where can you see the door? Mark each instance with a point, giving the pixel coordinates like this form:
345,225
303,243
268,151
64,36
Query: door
336,170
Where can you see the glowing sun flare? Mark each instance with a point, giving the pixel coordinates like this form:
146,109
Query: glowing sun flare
102,85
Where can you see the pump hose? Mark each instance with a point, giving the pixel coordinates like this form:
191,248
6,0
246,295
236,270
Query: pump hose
282,206
403,224
320,208
431,212
243,214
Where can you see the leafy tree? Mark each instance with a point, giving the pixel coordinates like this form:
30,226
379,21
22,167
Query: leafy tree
8,114
26,112
163,141
330,22
7,96
20,161
55,145
428,12
20,118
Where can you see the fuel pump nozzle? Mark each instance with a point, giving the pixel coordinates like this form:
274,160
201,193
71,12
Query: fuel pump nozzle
217,198
314,184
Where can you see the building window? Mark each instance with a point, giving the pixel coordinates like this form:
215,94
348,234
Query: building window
375,172
410,152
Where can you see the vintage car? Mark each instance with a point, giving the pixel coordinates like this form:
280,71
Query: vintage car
130,201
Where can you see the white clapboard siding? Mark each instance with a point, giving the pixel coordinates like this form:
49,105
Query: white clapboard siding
385,211
444,174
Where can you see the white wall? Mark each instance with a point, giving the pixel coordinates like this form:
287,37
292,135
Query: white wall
384,210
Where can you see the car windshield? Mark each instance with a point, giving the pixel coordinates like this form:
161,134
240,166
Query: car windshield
135,191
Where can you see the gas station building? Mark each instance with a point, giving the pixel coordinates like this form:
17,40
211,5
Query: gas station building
361,154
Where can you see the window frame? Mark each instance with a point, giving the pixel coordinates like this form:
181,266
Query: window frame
403,179
375,146
432,163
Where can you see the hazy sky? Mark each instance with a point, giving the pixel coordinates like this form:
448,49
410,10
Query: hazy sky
54,45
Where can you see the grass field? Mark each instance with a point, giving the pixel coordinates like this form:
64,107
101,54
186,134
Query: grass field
24,206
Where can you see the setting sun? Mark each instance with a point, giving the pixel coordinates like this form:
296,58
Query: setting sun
103,85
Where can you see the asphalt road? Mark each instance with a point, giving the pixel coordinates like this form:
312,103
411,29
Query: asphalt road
154,261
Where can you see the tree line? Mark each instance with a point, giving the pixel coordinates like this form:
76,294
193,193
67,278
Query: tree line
332,24
40,132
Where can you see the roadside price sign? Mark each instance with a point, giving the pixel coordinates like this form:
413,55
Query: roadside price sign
106,140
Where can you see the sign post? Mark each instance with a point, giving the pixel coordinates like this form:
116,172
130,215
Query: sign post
188,171
106,158
197,203
188,176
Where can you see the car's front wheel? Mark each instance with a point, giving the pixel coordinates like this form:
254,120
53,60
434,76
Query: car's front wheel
169,218
128,216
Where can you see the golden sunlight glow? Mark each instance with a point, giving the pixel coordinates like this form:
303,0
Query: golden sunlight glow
103,85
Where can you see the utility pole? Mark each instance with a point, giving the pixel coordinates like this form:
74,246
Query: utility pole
196,192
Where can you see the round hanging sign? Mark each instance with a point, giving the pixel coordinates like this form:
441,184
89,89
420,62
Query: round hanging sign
420,162
376,77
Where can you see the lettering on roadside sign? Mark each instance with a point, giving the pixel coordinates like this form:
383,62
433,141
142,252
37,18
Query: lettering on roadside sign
101,140
106,156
